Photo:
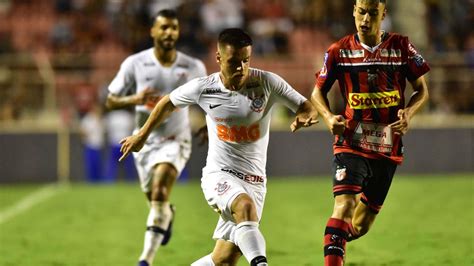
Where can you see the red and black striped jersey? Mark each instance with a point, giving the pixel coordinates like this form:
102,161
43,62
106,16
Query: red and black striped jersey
372,81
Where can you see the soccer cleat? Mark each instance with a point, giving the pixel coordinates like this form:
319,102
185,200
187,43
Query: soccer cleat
143,263
167,234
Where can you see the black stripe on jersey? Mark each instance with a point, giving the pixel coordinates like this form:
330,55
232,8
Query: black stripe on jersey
356,89
373,76
392,110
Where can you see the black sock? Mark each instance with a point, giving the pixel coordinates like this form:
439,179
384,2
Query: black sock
257,260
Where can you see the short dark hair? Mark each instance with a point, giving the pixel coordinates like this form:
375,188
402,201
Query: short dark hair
167,13
235,37
380,1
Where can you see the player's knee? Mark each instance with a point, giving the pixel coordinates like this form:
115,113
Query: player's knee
226,259
344,208
243,209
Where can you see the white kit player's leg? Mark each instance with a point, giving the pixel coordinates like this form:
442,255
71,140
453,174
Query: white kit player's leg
157,224
204,261
251,242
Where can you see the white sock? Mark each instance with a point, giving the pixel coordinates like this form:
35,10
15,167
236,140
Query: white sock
204,261
250,240
159,216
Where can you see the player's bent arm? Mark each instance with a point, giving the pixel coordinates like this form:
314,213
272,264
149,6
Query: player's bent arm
116,102
320,102
135,142
161,111
335,123
418,98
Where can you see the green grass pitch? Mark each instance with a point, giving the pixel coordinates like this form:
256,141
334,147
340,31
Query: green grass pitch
426,220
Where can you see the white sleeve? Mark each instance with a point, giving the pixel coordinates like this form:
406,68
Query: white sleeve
199,69
124,81
284,93
187,93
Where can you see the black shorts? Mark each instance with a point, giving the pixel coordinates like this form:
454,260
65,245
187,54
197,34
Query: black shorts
354,174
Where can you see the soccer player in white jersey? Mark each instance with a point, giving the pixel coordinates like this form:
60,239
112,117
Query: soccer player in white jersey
238,102
151,74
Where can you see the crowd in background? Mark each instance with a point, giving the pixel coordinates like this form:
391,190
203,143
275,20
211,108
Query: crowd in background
83,42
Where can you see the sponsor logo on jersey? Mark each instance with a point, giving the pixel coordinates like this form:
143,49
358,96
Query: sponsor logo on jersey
324,70
183,66
245,177
419,61
222,188
373,137
212,91
391,53
152,101
374,100
238,133
346,53
148,64
212,106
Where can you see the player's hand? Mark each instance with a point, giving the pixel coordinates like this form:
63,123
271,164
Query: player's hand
400,127
337,124
130,144
202,135
145,95
302,122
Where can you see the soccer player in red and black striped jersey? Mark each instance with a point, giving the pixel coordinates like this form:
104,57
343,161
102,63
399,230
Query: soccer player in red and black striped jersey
371,67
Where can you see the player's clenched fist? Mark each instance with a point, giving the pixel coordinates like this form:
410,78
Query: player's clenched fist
337,124
132,143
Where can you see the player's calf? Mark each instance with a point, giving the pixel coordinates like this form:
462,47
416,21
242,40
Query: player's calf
251,242
335,238
157,224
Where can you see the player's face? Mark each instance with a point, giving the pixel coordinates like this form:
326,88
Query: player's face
234,65
165,32
368,15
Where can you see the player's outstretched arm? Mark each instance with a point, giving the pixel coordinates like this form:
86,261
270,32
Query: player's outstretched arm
335,123
135,142
306,116
417,100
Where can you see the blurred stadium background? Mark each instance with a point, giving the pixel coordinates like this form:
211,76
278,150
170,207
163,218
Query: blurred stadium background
58,56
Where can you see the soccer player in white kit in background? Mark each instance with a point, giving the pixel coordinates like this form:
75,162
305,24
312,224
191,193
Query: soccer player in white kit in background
151,74
238,102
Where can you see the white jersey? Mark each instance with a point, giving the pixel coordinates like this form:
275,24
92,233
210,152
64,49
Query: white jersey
143,70
238,122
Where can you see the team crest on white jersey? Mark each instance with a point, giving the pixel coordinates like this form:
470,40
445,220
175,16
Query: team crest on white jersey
222,188
257,104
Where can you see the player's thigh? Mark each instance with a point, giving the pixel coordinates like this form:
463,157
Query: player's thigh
378,184
220,189
350,173
225,253
175,153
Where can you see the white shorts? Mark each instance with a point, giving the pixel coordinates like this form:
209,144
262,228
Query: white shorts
220,189
174,152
